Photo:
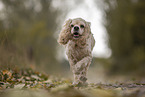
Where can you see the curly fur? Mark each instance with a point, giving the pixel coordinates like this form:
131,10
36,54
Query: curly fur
78,50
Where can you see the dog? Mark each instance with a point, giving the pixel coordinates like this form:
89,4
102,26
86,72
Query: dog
78,40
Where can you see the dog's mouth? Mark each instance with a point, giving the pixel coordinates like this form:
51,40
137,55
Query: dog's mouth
76,35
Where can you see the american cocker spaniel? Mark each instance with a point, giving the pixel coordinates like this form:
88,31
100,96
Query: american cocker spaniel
78,40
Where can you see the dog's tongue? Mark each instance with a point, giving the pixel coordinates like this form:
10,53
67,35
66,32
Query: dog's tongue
76,36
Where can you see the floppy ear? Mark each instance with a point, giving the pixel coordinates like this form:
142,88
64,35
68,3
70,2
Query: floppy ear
87,30
89,23
65,34
88,26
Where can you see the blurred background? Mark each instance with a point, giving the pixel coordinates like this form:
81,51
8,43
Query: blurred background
29,30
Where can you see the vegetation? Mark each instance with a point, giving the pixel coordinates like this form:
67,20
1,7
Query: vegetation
26,33
125,26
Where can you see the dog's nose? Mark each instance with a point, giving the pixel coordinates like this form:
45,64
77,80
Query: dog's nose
76,28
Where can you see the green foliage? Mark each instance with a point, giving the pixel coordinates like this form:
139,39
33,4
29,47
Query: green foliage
26,33
125,26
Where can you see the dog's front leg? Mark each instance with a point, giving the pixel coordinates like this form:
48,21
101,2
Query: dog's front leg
80,70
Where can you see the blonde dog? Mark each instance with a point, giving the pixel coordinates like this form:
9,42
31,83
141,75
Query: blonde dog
79,42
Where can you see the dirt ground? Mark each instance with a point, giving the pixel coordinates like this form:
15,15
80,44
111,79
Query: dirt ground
29,83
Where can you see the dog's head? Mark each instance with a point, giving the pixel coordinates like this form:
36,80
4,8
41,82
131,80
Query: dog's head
77,27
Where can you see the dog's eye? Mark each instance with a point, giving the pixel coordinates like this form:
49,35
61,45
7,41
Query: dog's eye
72,25
82,26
